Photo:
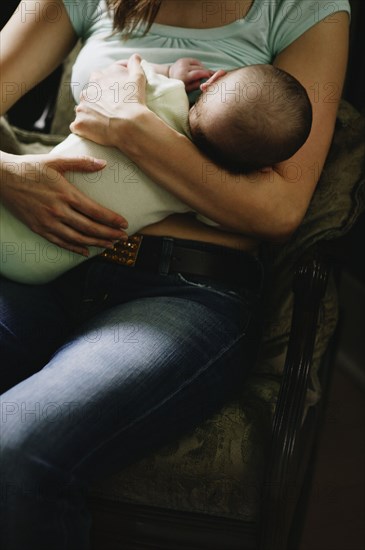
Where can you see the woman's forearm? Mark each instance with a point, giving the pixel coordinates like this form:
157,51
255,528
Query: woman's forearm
258,205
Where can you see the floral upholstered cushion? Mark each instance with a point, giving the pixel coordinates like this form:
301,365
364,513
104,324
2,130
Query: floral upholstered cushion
217,469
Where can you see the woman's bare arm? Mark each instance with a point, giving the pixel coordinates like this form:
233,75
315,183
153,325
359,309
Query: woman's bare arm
318,59
36,39
268,205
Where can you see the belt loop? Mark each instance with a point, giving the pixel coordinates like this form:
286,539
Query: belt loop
166,254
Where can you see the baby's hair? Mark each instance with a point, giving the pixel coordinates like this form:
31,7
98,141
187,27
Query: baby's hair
259,132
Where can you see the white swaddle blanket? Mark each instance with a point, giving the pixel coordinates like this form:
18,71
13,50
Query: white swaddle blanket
29,258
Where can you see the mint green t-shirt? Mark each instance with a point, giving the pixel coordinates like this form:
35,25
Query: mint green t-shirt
268,28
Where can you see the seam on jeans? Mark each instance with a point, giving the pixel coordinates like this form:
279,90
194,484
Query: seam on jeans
161,403
205,286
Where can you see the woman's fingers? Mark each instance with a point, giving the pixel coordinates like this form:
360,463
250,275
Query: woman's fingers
73,238
122,94
78,164
68,215
134,62
37,193
137,76
78,222
106,219
95,220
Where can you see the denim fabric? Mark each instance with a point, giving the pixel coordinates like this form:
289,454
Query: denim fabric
100,368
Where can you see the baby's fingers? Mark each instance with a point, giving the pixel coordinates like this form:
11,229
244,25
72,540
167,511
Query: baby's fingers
199,74
194,79
122,62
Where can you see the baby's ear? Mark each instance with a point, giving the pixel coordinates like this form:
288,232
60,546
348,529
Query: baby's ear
215,76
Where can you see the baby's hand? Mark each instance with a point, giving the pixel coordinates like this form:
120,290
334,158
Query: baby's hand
190,71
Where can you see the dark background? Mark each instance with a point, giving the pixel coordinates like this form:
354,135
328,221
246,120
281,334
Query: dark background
355,84
354,92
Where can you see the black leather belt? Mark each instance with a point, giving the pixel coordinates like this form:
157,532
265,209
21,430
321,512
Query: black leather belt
167,255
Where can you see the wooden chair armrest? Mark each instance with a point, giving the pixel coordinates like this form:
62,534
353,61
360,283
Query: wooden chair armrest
309,286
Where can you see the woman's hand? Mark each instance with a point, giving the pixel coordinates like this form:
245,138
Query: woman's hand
113,94
35,190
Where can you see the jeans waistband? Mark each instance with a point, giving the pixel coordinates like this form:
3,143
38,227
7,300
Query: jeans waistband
167,255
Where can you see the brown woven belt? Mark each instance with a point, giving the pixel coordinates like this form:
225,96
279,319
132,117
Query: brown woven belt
167,255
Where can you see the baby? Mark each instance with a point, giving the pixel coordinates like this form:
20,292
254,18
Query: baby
248,119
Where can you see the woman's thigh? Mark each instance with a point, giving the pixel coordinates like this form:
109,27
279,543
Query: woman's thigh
132,377
149,360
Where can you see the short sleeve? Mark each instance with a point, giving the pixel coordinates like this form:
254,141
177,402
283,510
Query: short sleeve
293,18
82,14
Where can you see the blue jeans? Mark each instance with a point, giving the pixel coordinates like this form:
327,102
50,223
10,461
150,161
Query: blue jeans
99,368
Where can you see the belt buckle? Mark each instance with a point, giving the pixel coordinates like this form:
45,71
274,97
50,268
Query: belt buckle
124,252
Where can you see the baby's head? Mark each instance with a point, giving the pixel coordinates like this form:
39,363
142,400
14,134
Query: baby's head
251,118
